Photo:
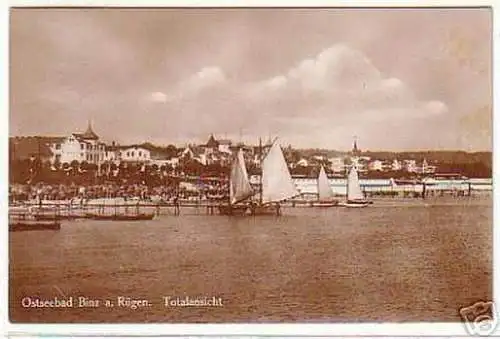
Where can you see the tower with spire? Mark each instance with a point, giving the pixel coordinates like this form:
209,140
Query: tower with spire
89,133
355,150
355,153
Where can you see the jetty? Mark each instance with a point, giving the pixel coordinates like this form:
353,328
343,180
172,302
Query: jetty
311,191
27,222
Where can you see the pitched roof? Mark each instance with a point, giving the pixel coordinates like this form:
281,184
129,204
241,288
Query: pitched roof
212,142
88,135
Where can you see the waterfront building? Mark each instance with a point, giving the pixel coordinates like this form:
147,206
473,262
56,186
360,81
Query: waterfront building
303,162
376,165
337,164
80,147
133,153
396,165
213,145
410,166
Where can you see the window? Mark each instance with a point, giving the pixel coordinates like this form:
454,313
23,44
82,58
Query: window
133,153
82,146
58,146
128,154
140,154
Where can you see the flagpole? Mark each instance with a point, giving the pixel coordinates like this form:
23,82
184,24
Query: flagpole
261,171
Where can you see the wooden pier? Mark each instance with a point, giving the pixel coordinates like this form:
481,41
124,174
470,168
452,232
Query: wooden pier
57,211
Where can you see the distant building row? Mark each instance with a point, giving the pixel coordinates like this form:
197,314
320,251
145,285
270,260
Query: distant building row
88,147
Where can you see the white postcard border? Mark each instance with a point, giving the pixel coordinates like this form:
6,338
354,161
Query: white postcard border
361,329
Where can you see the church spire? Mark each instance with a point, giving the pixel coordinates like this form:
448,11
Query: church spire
89,125
355,150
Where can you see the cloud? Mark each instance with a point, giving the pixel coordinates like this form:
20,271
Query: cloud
158,97
205,79
336,66
436,107
340,88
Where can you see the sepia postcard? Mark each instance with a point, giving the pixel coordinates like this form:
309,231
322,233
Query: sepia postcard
251,166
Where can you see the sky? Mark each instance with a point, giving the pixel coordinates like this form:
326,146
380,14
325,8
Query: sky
396,79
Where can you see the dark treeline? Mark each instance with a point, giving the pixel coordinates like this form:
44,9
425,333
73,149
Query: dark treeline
441,157
24,169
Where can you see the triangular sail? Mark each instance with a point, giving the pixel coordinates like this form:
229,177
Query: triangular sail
277,183
239,185
324,189
353,187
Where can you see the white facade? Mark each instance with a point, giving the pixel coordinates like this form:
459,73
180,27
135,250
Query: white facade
202,158
110,155
337,164
225,146
77,148
396,165
376,165
134,154
303,162
174,162
67,151
187,152
411,166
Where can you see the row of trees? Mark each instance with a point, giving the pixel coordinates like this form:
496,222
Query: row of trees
34,170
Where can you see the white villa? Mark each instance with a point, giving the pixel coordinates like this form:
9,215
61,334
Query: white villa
337,164
134,154
80,147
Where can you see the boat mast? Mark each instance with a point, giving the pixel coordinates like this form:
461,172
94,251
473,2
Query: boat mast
261,172
347,184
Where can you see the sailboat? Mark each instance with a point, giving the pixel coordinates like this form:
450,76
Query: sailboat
325,193
239,188
355,197
276,184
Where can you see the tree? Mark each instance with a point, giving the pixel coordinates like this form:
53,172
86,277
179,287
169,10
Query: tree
171,151
75,164
84,166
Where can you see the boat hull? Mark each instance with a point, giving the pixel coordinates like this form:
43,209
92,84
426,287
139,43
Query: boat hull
34,226
233,209
265,210
118,217
45,217
324,204
357,203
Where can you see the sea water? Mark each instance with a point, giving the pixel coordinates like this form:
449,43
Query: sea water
396,260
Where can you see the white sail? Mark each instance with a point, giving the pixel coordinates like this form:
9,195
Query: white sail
353,187
277,183
324,189
239,185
